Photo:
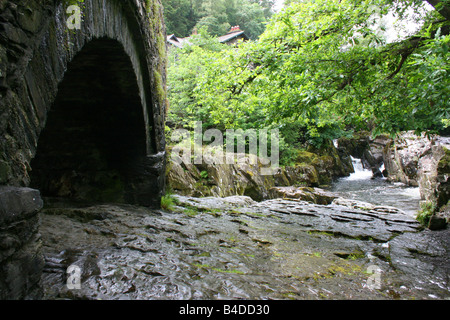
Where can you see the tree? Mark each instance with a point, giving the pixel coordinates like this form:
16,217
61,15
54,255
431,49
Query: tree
184,81
250,16
182,16
324,68
324,63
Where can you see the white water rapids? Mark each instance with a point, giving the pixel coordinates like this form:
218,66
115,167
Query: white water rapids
360,173
360,186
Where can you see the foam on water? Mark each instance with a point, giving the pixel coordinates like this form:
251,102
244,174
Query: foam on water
360,173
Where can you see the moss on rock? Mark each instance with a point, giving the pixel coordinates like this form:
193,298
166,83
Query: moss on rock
245,178
305,157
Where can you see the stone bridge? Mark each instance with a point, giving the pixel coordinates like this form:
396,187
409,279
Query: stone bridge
81,116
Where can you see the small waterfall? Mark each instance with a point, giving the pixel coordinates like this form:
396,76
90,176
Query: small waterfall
360,172
383,167
360,186
336,143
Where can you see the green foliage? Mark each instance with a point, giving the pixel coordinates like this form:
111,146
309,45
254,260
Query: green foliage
68,3
326,61
168,202
180,16
217,16
428,209
428,83
183,77
204,174
191,212
320,69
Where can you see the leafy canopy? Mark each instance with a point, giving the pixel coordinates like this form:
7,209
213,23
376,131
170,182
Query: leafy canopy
322,68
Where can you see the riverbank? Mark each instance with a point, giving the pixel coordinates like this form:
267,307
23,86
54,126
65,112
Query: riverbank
276,239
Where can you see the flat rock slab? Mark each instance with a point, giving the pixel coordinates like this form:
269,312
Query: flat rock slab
236,248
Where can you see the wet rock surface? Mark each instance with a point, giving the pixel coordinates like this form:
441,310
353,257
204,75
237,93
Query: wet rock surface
236,248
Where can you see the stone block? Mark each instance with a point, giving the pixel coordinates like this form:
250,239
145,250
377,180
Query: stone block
21,259
18,204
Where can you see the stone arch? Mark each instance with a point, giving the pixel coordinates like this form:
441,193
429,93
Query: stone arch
95,134
120,30
41,63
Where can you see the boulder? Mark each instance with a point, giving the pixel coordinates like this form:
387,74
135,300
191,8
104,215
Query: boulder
439,220
355,146
363,146
331,163
181,179
376,147
301,174
212,177
433,176
424,162
401,157
313,195
433,171
346,161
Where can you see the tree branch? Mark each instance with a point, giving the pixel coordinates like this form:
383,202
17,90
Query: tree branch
402,62
410,46
440,7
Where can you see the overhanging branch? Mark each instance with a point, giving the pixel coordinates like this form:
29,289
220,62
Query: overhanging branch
440,7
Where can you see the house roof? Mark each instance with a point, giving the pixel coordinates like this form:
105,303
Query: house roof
232,35
173,40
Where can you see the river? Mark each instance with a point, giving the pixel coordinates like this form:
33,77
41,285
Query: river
360,186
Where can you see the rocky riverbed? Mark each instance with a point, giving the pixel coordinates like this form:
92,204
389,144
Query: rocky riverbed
236,248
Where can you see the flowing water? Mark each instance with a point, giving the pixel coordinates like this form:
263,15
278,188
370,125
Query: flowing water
360,186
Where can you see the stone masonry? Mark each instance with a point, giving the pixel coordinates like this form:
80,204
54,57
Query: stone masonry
121,42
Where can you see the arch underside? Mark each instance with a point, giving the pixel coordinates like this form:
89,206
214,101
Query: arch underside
99,140
95,135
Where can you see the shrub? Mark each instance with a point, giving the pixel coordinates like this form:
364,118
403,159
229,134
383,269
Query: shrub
168,202
427,210
204,174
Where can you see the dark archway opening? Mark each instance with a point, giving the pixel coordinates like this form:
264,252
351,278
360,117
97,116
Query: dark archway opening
95,132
